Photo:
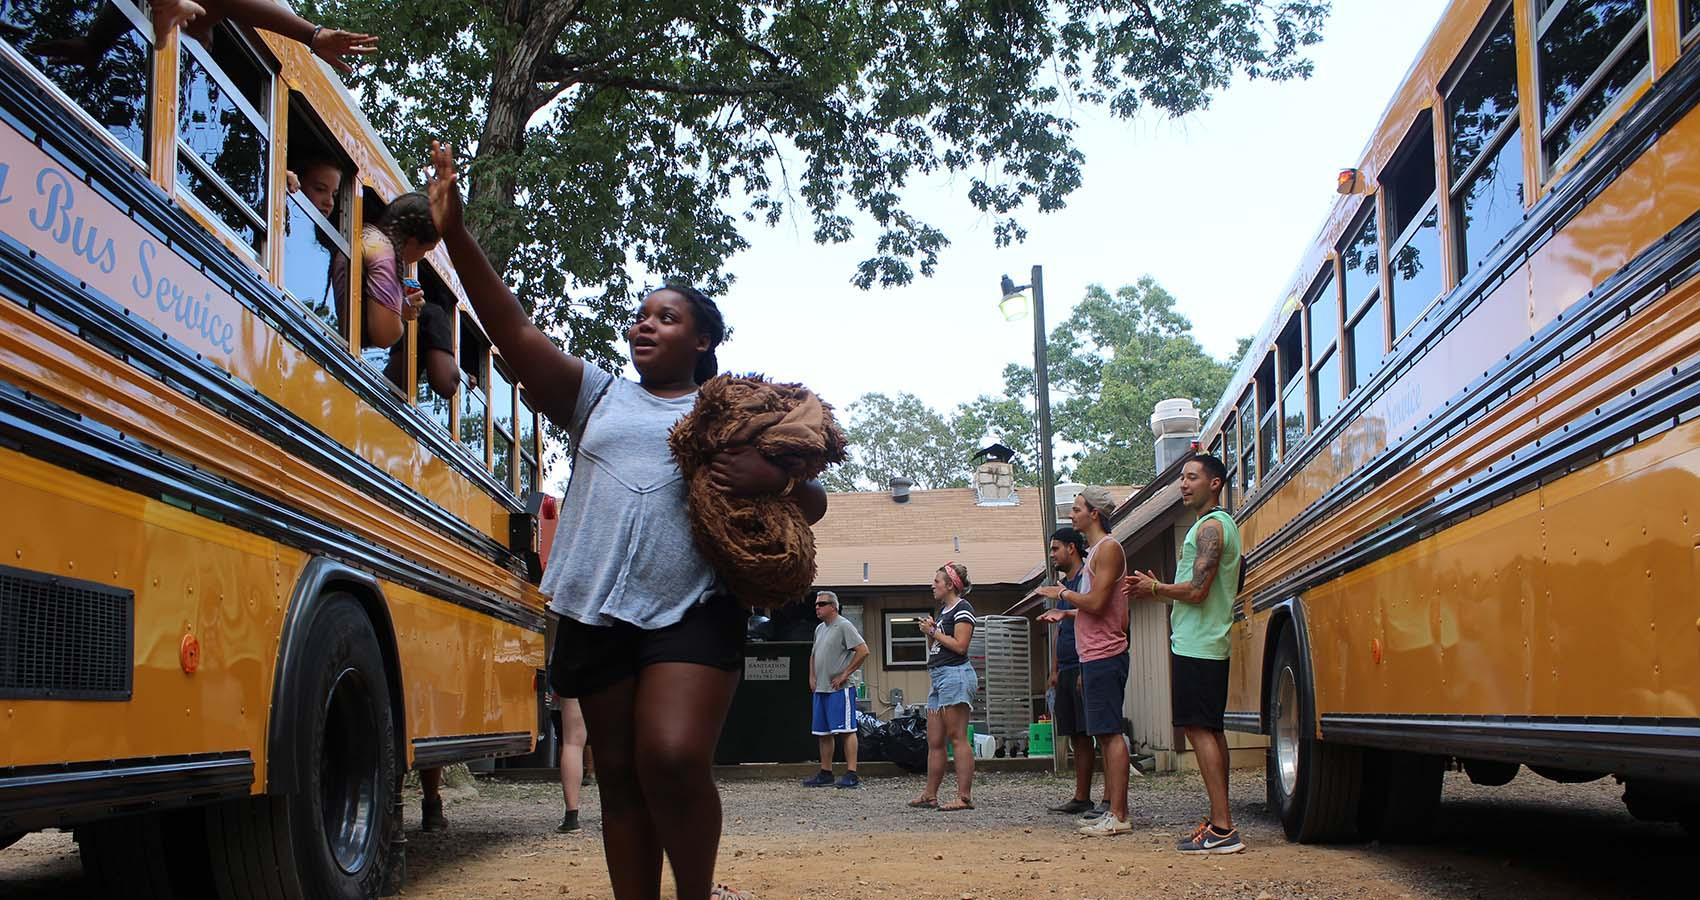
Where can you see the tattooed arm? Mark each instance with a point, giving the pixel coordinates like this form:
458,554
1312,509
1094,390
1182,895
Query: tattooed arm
1145,584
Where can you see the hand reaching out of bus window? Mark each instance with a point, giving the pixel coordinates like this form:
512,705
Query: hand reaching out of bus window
444,189
332,44
169,14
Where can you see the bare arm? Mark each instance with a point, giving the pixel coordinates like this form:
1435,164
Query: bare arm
1203,570
1107,564
551,376
329,44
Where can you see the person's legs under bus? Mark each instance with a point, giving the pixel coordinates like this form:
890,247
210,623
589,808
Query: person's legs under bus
431,803
629,841
680,708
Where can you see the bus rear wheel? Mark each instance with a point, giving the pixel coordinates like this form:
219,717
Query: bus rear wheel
333,838
1313,786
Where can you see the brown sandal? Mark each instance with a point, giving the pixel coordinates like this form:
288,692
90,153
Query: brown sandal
925,803
960,804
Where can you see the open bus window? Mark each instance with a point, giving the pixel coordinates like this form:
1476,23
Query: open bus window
1413,226
438,373
315,250
502,424
1485,147
526,422
97,53
224,132
1588,53
474,357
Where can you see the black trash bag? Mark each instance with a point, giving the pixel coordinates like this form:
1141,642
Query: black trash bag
871,738
906,743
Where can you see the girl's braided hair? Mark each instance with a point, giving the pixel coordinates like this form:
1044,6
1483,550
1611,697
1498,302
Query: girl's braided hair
408,216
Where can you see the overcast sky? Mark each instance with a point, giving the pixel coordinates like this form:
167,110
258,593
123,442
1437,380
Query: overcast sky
1217,206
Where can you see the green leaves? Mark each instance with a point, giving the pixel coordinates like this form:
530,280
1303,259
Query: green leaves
610,137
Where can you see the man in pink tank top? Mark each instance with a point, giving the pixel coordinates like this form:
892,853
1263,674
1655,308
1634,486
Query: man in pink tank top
1100,634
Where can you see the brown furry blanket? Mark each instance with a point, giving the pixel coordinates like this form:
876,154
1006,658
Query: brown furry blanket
762,547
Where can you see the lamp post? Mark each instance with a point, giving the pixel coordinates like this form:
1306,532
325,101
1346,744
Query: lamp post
1014,306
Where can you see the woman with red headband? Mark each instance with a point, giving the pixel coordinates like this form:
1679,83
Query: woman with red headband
953,686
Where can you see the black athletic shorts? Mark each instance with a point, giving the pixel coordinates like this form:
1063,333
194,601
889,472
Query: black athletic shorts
1200,691
1071,706
589,658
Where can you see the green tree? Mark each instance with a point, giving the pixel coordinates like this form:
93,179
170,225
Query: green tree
1110,362
899,436
612,137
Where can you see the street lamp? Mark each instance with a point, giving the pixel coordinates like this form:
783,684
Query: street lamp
1014,306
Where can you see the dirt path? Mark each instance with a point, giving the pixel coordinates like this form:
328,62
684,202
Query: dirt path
1530,839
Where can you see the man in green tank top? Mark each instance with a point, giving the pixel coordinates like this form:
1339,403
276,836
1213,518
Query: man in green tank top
1206,581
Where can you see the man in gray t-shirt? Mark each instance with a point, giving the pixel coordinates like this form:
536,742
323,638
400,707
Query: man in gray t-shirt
838,652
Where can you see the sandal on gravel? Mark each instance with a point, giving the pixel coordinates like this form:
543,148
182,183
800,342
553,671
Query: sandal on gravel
722,892
925,803
960,804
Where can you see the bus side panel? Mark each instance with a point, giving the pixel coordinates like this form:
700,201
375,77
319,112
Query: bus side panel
189,575
466,673
1248,649
1578,599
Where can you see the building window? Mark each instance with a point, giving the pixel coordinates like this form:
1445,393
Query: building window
97,53
1413,225
1588,53
527,424
1323,313
224,133
474,405
1485,147
905,645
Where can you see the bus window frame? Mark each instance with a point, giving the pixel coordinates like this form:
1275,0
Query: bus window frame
143,23
534,453
1687,35
500,369
1418,141
186,155
1552,169
1328,281
346,195
1250,477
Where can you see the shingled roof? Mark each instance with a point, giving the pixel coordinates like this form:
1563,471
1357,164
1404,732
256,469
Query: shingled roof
903,544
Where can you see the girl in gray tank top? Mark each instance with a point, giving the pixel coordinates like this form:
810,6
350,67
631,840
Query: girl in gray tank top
646,643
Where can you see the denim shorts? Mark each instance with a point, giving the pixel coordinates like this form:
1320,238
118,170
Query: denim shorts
952,685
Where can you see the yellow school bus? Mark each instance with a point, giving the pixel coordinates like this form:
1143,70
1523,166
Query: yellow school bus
250,571
1465,450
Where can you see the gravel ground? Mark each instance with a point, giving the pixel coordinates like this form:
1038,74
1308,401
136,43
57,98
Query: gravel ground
1529,839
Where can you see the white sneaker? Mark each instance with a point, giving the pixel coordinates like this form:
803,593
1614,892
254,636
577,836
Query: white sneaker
1106,825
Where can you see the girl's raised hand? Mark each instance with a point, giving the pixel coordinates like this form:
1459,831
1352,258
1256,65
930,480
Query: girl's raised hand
443,188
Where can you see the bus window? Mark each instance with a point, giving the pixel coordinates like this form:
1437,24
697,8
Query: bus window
315,236
1289,350
1268,440
474,356
1323,312
1588,53
1360,260
97,53
224,133
1230,458
1690,18
438,371
1248,443
1413,225
1368,336
502,424
527,424
1485,147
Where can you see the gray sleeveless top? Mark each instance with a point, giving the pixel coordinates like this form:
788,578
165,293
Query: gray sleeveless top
623,551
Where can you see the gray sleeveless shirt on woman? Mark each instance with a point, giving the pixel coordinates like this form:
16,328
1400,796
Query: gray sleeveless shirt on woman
623,550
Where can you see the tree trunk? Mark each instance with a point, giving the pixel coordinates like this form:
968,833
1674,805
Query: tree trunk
537,24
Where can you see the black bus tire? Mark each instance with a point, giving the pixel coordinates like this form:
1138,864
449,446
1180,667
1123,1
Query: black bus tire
1317,797
333,838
